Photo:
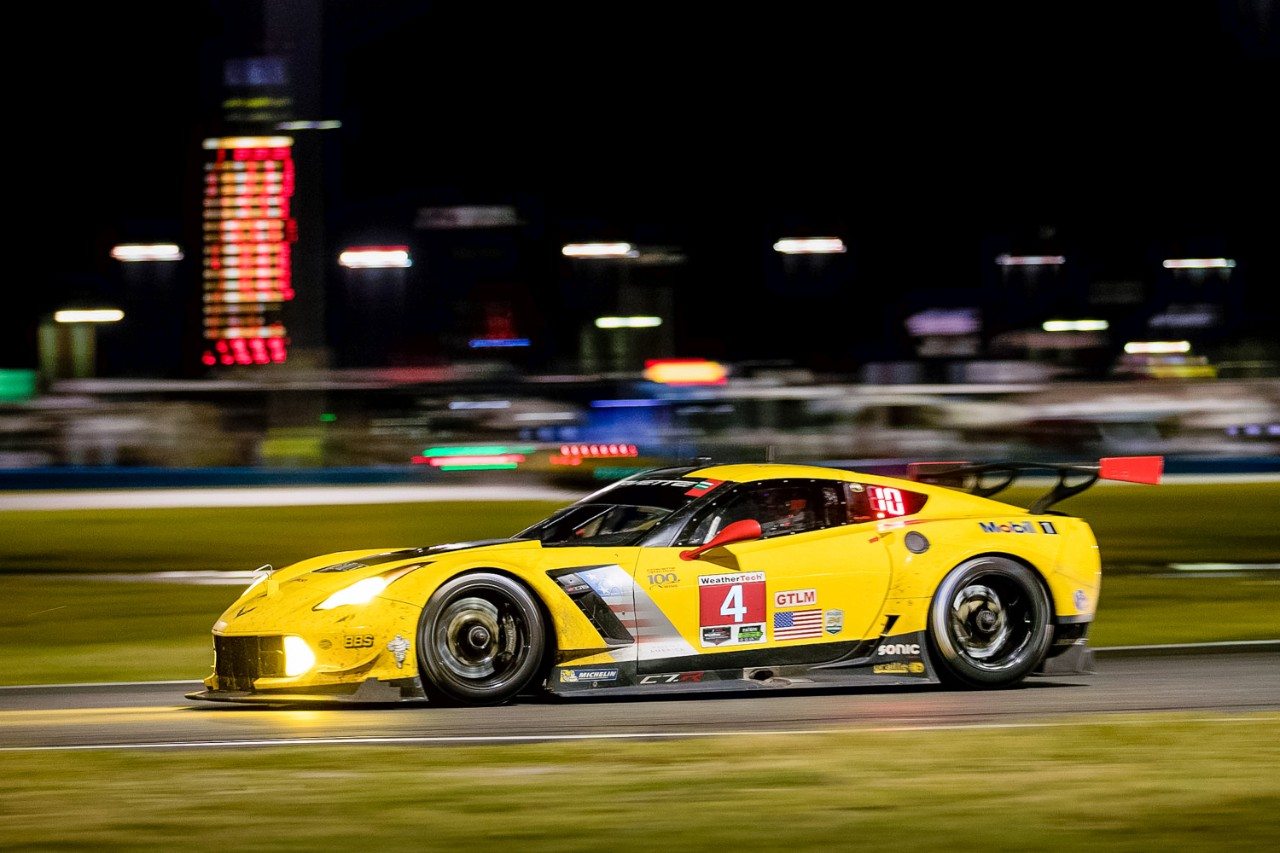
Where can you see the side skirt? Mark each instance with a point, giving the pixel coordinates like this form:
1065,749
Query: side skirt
891,661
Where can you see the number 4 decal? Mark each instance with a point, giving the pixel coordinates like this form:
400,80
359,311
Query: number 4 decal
731,599
733,605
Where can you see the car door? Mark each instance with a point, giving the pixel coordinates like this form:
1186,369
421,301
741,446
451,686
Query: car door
805,592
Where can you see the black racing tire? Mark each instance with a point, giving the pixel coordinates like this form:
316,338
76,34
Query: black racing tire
990,623
482,639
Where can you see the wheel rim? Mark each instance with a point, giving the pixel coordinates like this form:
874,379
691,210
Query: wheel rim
481,640
990,622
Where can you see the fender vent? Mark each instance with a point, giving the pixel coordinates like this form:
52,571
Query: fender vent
598,613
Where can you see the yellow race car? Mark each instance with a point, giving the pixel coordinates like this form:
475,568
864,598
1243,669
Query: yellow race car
713,577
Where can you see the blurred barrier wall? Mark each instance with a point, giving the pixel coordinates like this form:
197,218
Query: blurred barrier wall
114,477
376,431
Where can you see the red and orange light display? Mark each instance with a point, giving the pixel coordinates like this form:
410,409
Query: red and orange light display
248,234
573,454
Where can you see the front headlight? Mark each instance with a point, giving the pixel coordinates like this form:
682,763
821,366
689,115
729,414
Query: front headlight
298,657
360,592
364,591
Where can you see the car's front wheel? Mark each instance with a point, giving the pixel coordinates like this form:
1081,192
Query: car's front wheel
481,639
990,623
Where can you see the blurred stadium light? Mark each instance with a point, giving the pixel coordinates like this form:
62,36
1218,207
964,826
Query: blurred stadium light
1076,325
375,257
67,341
481,405
641,322
599,250
1030,260
137,252
1156,347
810,246
88,315
1198,263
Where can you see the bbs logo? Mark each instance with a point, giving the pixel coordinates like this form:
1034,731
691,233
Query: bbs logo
899,649
354,641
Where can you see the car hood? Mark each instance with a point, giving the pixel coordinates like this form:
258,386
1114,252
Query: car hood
302,586
339,565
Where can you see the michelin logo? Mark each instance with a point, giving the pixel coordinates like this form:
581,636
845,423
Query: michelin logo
579,676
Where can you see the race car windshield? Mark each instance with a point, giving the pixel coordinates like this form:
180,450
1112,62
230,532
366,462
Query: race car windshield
619,515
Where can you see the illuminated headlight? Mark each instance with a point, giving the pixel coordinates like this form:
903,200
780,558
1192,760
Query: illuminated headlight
364,591
298,657
360,592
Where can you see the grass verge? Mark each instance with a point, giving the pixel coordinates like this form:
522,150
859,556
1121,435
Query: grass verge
73,629
1177,522
1131,783
1138,608
142,540
78,628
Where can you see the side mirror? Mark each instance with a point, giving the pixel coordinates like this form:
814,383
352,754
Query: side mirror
739,531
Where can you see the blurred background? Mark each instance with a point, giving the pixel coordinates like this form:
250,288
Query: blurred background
381,248
410,240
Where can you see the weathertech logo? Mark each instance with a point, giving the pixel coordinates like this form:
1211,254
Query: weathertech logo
740,577
899,649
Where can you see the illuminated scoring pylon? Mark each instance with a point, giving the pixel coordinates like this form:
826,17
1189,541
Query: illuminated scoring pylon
248,188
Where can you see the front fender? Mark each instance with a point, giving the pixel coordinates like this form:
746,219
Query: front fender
574,634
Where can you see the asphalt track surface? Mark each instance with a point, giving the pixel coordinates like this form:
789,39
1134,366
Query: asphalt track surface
158,716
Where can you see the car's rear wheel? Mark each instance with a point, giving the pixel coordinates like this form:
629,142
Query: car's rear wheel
990,623
481,639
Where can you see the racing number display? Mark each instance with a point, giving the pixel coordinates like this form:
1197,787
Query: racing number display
731,609
886,501
891,502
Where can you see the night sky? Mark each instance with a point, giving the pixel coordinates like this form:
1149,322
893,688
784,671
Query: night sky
930,136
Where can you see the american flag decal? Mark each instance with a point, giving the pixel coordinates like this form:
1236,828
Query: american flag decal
797,624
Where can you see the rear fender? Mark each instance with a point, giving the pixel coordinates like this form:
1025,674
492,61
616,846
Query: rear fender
924,552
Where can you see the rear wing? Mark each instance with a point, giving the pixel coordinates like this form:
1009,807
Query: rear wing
987,479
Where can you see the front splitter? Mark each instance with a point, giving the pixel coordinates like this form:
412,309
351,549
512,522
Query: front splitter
370,692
